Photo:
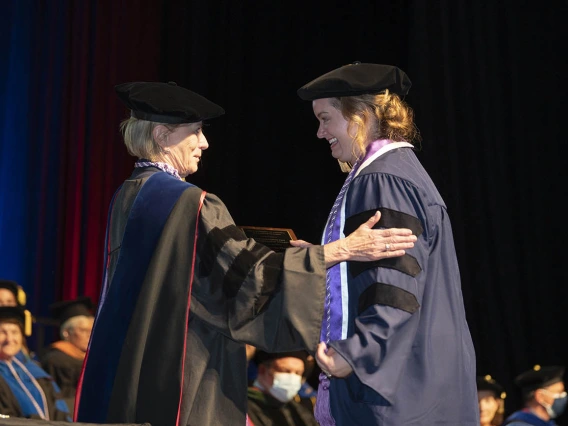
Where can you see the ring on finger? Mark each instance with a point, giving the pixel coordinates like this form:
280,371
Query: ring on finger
387,247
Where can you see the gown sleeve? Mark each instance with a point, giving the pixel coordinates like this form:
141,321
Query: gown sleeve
271,300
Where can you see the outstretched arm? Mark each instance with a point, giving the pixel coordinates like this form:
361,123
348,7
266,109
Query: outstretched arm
366,244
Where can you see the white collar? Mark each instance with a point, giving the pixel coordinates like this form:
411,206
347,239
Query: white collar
388,147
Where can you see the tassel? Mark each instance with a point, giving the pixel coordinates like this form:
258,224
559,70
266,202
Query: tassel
27,323
21,296
322,410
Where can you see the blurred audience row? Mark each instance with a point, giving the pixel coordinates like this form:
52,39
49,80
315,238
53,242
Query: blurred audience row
543,394
44,387
280,393
281,385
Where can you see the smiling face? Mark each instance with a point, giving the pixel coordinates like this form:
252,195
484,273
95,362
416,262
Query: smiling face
183,146
11,340
335,129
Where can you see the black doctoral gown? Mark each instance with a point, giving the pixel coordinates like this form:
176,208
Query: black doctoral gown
184,291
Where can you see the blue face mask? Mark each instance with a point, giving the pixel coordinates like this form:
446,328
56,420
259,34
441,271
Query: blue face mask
558,406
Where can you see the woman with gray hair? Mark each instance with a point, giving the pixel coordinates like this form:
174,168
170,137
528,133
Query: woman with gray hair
184,289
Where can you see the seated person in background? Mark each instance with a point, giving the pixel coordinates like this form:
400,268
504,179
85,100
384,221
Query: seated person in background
64,358
271,398
11,294
26,390
544,395
491,397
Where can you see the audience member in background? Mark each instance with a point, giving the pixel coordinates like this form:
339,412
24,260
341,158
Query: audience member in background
63,360
26,390
544,395
11,294
491,397
271,398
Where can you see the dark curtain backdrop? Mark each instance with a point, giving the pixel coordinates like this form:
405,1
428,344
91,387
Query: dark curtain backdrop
488,92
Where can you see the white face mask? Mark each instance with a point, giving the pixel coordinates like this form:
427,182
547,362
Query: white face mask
285,386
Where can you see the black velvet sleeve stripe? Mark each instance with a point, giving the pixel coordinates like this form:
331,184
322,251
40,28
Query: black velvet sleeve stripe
272,274
388,295
241,267
389,219
214,241
406,264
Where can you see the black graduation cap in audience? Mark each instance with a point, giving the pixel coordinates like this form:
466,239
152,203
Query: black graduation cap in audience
66,309
166,102
356,79
19,314
15,288
539,377
262,357
488,383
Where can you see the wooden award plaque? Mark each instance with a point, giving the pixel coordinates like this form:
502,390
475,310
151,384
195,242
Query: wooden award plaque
277,239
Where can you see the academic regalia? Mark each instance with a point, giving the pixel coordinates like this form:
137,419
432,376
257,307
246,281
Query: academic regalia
63,361
526,418
183,291
538,377
15,389
307,396
404,332
265,410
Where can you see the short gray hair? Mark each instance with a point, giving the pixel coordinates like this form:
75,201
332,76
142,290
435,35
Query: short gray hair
139,139
71,323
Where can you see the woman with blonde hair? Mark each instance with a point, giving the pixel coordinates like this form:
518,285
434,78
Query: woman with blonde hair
394,334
